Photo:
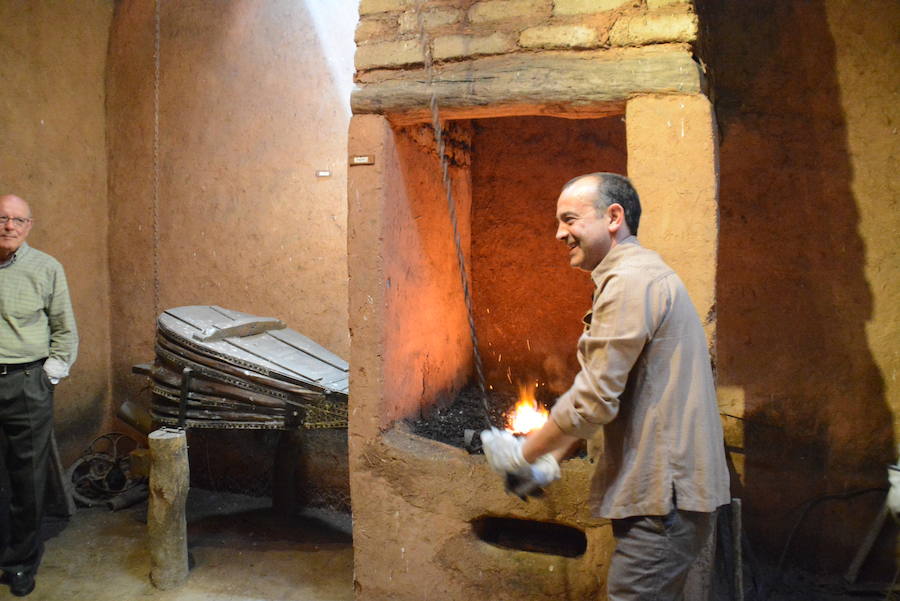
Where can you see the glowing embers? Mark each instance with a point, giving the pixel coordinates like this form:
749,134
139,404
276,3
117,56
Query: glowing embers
529,535
527,415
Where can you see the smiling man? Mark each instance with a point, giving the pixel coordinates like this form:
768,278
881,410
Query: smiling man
38,344
646,380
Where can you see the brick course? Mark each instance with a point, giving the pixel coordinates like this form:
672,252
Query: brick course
387,35
409,21
583,7
388,54
368,7
374,29
654,4
559,36
507,10
458,46
654,29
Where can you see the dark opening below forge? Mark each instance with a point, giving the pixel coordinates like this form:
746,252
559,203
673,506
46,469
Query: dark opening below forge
529,535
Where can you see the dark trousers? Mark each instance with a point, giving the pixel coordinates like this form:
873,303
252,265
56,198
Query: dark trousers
654,553
26,423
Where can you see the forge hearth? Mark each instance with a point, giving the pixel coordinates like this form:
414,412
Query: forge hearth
431,520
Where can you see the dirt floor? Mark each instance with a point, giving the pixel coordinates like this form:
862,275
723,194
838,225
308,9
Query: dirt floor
241,549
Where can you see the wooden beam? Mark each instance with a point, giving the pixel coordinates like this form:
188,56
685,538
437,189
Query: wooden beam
557,83
166,513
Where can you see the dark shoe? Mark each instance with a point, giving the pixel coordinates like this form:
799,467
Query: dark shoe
20,583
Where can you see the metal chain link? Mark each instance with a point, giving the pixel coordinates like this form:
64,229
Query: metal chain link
451,205
156,167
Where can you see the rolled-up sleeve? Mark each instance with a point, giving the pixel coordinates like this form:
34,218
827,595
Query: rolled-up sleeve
621,324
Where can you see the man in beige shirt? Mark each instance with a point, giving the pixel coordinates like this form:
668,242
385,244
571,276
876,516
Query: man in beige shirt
646,380
38,344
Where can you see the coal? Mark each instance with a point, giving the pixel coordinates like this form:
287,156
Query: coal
448,422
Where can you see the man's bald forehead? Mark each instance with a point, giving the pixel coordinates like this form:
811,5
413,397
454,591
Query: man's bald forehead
591,181
13,199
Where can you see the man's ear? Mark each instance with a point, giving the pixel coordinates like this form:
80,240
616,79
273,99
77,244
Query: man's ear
616,215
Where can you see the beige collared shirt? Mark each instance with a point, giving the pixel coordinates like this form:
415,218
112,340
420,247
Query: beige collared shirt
646,380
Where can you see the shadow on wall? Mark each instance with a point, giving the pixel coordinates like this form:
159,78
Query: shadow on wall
791,289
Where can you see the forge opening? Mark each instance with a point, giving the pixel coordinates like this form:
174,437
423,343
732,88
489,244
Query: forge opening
530,535
527,301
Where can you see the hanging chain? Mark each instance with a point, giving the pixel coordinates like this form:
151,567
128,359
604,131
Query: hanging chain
451,205
156,168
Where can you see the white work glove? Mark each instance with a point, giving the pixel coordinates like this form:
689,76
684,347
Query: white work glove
893,497
504,453
543,471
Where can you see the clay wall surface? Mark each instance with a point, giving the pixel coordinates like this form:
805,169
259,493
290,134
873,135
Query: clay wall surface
807,282
405,286
253,101
53,154
414,539
528,300
672,160
427,345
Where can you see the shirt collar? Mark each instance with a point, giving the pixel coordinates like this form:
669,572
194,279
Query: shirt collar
19,251
614,257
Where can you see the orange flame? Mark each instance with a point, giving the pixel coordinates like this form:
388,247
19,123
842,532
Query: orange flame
527,414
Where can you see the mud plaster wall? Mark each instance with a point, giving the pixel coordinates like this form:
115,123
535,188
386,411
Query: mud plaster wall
253,100
427,349
808,311
528,317
407,315
53,154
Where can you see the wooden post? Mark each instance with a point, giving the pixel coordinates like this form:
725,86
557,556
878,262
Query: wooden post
166,520
737,537
285,499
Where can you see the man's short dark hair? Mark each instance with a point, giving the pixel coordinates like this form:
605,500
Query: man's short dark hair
612,188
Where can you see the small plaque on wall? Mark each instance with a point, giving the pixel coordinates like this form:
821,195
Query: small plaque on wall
362,159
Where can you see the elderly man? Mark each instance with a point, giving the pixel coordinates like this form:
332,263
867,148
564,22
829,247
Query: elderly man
646,380
38,344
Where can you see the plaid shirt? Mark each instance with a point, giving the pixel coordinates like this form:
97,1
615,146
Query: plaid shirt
36,318
646,382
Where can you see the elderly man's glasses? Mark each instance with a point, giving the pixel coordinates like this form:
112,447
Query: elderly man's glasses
17,221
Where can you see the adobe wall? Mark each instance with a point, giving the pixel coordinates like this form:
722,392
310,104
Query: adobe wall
807,283
528,302
253,101
53,154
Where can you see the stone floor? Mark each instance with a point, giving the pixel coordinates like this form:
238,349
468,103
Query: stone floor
242,552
